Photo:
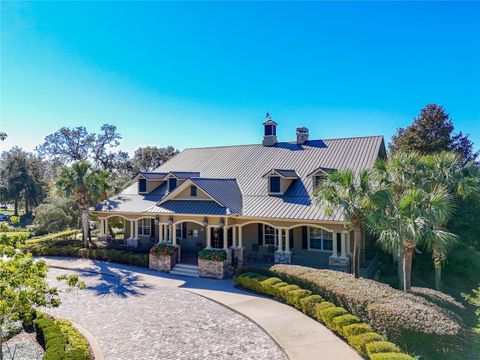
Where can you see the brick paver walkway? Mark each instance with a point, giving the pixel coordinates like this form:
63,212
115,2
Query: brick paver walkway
132,319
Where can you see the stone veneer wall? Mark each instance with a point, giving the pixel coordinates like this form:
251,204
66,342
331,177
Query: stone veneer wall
162,262
212,269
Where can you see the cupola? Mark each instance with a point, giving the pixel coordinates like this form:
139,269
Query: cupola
270,131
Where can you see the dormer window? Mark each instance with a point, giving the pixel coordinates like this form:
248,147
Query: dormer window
142,185
193,190
274,184
317,179
172,184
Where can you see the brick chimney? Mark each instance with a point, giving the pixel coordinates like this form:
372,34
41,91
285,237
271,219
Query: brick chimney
302,135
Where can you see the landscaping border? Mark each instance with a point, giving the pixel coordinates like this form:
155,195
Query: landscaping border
359,335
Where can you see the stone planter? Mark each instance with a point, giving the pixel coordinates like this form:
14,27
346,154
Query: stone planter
162,262
212,269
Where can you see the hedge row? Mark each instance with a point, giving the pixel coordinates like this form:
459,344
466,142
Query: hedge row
114,255
212,254
359,335
61,340
387,310
63,235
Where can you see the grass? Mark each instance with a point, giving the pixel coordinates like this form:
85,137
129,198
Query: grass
11,211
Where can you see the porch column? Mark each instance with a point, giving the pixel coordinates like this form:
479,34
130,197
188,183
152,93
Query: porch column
240,242
279,233
287,240
234,236
101,227
225,238
334,245
349,251
136,229
174,235
209,237
160,232
343,248
105,223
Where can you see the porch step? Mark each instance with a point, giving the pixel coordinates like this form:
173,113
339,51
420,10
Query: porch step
185,270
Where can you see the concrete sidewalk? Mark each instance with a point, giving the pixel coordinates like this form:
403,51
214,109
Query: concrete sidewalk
301,337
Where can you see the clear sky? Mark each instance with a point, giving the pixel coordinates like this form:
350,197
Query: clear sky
203,74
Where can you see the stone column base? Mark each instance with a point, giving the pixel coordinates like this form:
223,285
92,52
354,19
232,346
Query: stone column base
283,257
238,254
212,269
162,262
338,263
132,242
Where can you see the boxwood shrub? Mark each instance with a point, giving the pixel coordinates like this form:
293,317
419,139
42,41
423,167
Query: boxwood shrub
359,335
212,254
57,248
386,309
391,356
51,336
381,347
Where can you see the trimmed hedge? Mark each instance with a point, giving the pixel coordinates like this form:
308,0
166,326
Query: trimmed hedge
61,340
386,309
52,337
391,356
359,335
381,347
55,248
63,235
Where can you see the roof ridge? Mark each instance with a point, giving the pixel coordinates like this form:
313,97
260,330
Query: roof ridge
283,142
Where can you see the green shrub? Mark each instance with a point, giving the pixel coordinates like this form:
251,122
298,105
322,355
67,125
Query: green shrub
294,296
391,356
63,235
77,347
285,290
344,320
327,315
322,306
52,337
308,304
277,288
359,342
381,347
387,310
355,329
212,255
55,247
163,249
250,281
268,286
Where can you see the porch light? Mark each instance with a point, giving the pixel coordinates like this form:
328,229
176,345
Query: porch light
221,223
205,222
170,220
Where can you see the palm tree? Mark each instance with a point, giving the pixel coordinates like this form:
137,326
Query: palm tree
87,185
409,213
461,180
342,189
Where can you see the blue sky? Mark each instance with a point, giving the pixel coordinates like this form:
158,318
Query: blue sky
204,74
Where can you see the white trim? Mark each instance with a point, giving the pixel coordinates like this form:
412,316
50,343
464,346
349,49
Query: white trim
180,188
187,221
310,225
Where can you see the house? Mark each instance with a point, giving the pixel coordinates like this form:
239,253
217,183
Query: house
255,201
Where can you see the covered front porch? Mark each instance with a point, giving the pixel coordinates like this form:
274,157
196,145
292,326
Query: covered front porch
248,242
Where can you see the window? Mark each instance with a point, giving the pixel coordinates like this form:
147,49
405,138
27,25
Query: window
274,184
179,231
320,239
317,179
193,190
270,130
269,235
144,227
142,185
172,184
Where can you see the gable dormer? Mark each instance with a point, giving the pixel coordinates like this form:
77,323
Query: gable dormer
148,181
279,180
175,178
318,175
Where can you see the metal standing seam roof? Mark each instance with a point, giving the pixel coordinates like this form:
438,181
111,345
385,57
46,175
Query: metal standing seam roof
248,163
153,175
285,173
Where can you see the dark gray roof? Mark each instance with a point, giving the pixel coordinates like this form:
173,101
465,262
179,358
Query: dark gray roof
201,207
284,172
185,174
225,191
248,163
153,175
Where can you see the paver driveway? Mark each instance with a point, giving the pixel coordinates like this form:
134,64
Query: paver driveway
133,319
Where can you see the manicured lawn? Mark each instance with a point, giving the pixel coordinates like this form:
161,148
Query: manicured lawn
10,212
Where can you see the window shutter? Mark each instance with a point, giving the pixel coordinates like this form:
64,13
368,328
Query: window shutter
304,237
260,234
184,230
290,238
